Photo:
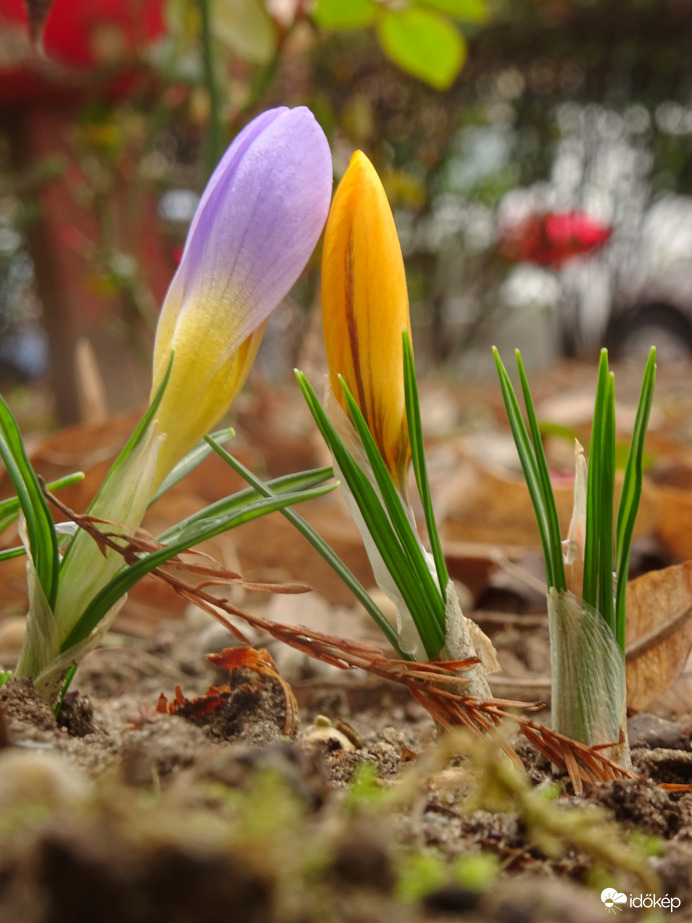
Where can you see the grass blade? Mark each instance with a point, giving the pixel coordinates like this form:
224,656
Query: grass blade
541,492
399,519
40,527
552,522
421,606
598,563
133,441
9,509
140,429
415,429
15,552
291,483
318,543
191,461
631,495
192,535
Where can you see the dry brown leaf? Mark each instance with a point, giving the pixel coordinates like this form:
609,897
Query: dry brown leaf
674,528
483,507
233,658
490,506
659,631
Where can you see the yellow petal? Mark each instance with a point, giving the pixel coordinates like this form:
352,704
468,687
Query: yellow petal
193,402
365,309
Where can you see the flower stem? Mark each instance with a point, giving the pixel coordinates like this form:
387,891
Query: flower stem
214,134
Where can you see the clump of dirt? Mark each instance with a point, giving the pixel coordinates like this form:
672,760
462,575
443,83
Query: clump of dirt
250,710
21,706
76,715
638,805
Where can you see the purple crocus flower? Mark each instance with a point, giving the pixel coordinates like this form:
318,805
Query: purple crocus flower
256,226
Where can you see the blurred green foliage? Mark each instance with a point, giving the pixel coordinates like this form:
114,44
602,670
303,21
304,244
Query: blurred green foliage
419,37
458,103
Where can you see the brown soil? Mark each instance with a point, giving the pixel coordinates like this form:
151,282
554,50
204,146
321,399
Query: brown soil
118,813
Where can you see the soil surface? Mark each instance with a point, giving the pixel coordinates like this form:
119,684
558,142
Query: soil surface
119,812
350,806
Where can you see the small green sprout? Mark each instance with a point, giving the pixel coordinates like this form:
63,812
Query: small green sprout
419,874
477,871
587,575
364,790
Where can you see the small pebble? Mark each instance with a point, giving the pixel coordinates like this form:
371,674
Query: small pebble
323,733
646,730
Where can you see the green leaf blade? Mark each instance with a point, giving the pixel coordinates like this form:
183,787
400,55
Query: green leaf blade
420,470
9,508
422,606
433,601
192,460
292,483
326,552
198,531
140,429
631,494
598,567
535,483
40,526
552,521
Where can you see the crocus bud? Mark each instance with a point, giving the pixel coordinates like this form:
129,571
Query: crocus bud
365,310
256,226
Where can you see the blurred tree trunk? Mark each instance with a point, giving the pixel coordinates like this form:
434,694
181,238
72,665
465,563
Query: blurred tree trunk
61,241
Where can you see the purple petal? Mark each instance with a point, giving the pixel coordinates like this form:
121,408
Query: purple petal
227,164
256,225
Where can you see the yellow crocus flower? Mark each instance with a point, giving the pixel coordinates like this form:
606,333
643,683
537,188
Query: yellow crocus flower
365,310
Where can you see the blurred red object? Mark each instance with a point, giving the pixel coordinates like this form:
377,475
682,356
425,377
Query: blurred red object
550,239
55,56
79,36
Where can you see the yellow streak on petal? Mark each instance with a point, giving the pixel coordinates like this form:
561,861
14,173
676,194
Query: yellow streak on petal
365,309
165,331
194,401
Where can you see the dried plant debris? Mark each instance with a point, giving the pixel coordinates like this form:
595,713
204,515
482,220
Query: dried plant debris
255,687
659,632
